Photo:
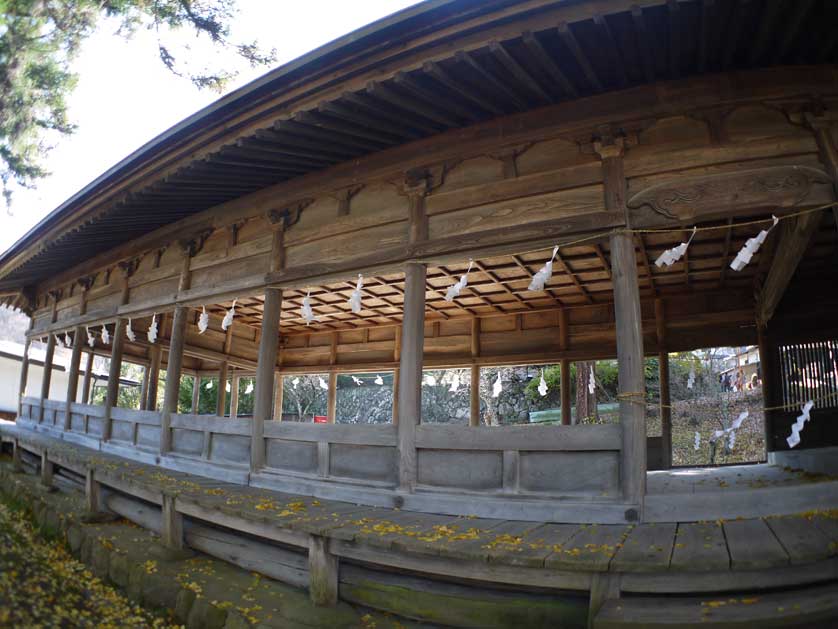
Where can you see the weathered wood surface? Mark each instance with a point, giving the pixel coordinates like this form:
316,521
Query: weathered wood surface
680,552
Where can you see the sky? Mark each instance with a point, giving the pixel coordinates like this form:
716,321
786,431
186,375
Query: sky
125,96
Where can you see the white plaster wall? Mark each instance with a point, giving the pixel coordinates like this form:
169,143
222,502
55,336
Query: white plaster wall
10,381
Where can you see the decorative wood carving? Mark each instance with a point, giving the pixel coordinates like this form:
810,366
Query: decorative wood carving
193,246
289,215
129,267
509,158
86,282
691,196
344,197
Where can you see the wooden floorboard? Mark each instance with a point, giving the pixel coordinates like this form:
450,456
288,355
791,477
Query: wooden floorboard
692,547
753,546
699,547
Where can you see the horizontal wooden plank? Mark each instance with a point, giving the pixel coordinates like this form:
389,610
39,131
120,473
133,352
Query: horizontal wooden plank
558,438
373,435
88,409
151,418
211,423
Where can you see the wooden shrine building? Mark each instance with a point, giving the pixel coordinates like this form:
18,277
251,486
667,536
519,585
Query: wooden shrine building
488,131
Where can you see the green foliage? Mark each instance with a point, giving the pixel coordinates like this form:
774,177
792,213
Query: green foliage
40,38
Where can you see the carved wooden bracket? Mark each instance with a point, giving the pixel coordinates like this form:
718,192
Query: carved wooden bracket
158,256
56,294
193,246
288,216
694,196
714,118
233,232
509,158
609,140
86,282
424,180
344,197
129,267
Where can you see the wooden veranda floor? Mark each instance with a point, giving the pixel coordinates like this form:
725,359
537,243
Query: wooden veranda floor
680,557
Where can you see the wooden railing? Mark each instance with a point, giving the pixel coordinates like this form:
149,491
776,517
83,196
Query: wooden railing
528,471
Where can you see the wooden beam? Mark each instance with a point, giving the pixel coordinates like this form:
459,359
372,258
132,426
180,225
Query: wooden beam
567,415
114,374
73,376
88,379
47,469
24,369
221,400
410,372
171,525
663,379
794,239
46,376
332,397
631,380
265,373
234,396
156,357
279,392
323,572
173,372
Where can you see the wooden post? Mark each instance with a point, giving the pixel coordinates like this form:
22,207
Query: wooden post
663,379
114,374
767,366
631,381
323,572
47,375
173,372
474,397
88,378
92,494
156,357
171,526
278,395
410,372
196,393
24,369
73,377
47,469
564,374
144,388
396,396
221,402
17,460
332,400
265,371
234,395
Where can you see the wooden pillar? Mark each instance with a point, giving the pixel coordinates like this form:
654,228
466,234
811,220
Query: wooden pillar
821,127
474,397
323,572
234,395
196,394
17,459
631,381
88,378
92,493
47,470
278,396
171,525
332,400
24,368
144,388
665,409
173,372
156,357
114,374
564,374
396,396
474,390
47,375
767,366
73,376
221,400
410,372
265,372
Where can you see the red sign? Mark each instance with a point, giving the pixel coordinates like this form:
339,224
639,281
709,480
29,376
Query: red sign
321,419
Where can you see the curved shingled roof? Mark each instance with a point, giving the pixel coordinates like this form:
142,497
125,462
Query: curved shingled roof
439,65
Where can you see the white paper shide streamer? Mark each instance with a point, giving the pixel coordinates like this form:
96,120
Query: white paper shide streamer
691,379
305,311
249,388
67,341
379,380
430,380
752,245
455,289
91,338
671,256
355,298
794,438
357,380
697,440
227,321
322,383
540,279
542,385
203,320
295,382
129,332
497,387
227,387
152,330
208,385
592,382
455,383
106,338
